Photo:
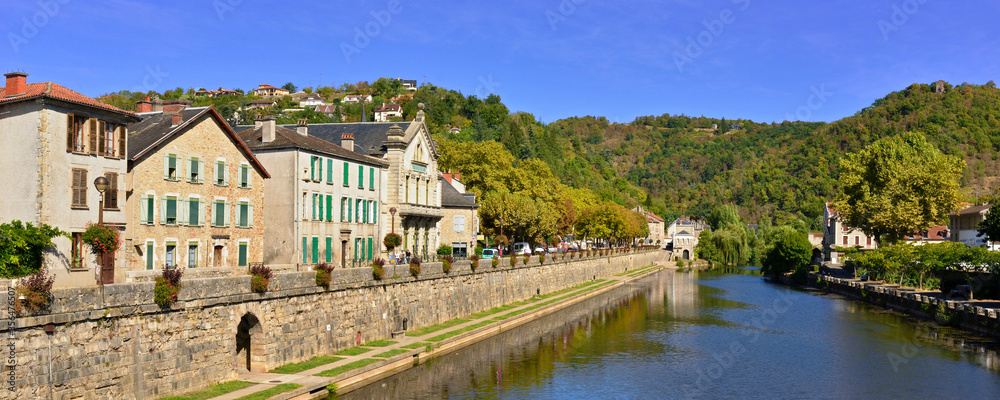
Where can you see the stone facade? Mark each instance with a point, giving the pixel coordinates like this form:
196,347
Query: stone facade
460,224
836,234
56,143
196,196
114,343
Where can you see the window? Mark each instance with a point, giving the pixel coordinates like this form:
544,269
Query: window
194,211
371,178
75,133
845,240
168,211
79,187
364,213
146,211
869,240
459,223
407,197
361,177
350,209
347,173
243,254
192,255
149,255
170,167
357,210
329,249
312,168
111,195
77,251
221,173
305,252
194,170
329,170
314,206
245,176
109,139
244,215
221,218
343,201
857,240
169,259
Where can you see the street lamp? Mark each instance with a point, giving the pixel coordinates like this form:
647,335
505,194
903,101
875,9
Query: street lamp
101,183
501,234
392,210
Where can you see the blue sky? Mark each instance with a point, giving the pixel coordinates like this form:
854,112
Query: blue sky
766,61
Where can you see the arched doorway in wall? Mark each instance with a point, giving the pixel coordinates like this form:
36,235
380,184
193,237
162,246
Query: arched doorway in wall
687,255
249,344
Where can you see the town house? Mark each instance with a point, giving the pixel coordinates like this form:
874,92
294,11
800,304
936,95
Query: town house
835,234
460,221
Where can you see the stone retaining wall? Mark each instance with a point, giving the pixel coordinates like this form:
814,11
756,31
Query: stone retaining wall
958,313
114,342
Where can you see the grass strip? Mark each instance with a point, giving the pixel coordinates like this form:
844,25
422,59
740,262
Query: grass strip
390,353
494,310
353,351
212,391
380,343
436,327
347,367
266,394
456,332
417,345
302,366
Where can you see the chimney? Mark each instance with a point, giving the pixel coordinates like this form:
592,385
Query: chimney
157,104
302,127
347,141
176,119
267,123
144,106
17,84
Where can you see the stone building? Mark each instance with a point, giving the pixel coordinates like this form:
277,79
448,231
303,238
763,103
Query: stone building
460,224
325,203
657,227
413,183
835,234
56,143
963,225
388,112
195,193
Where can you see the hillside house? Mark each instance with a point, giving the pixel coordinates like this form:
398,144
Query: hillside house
266,90
388,112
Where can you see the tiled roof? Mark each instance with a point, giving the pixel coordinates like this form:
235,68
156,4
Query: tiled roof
387,107
368,136
286,138
973,210
59,92
266,86
450,197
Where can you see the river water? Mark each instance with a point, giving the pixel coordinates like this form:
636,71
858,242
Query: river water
710,335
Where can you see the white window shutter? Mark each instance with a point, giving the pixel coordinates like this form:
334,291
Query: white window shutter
180,168
225,221
166,166
249,177
225,173
239,213
201,212
163,211
250,215
183,212
201,170
187,161
143,212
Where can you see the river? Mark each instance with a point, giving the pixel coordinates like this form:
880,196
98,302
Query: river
710,335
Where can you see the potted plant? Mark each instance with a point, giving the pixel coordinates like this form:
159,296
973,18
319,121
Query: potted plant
378,269
446,263
168,286
541,258
34,293
391,241
415,266
260,278
527,257
495,262
513,260
102,239
474,262
323,274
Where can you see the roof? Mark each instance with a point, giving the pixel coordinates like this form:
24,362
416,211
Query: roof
155,129
313,96
326,108
933,233
387,107
266,86
286,138
450,197
58,92
973,210
368,136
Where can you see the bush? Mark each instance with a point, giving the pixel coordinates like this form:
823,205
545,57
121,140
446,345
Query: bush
323,274
474,262
541,258
495,262
378,269
446,263
168,286
790,251
415,266
392,240
102,239
513,260
478,251
444,250
21,248
260,278
526,259
680,263
37,292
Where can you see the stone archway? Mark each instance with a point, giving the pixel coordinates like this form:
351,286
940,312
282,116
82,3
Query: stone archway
250,351
686,254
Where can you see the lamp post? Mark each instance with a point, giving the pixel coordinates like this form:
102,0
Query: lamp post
501,234
392,211
101,183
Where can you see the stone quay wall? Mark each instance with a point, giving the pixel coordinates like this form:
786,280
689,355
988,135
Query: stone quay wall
113,341
977,319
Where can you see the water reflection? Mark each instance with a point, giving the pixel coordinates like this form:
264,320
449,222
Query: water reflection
709,335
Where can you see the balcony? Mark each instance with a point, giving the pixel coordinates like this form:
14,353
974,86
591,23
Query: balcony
418,210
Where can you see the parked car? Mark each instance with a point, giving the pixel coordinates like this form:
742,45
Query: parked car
539,250
521,248
490,253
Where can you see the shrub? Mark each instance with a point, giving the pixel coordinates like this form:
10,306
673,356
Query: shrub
260,277
680,263
474,262
790,251
392,240
444,250
415,266
526,259
102,239
21,247
378,269
495,262
513,260
446,263
323,276
37,292
168,286
541,258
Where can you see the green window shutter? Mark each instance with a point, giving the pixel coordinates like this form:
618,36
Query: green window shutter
341,209
364,212
179,162
201,207
243,254
329,170
361,176
375,214
350,209
143,210
329,208
356,241
347,172
225,173
371,178
314,206
315,250
305,253
149,256
370,241
329,249
312,168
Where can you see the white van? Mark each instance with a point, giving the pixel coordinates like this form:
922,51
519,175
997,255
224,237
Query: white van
521,248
